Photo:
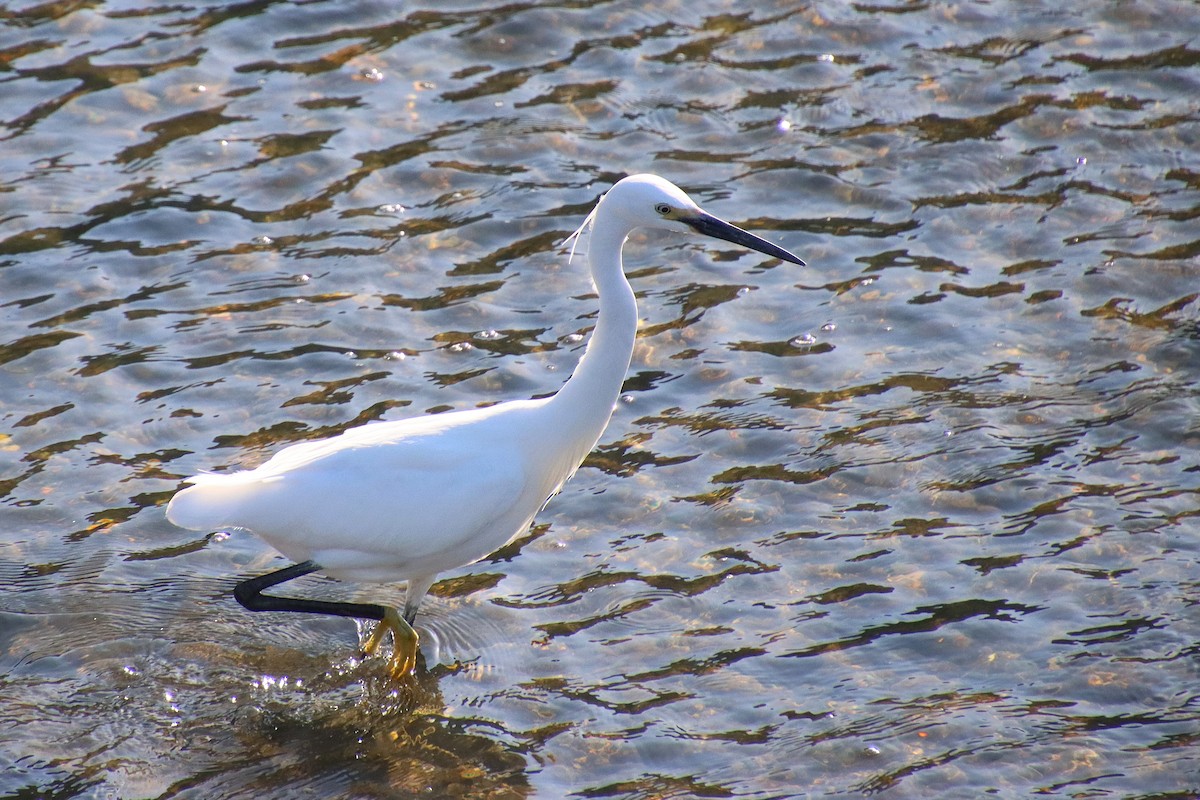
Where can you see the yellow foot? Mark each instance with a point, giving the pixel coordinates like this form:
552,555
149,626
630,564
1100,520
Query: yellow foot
404,639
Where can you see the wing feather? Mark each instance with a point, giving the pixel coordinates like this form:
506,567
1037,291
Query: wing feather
384,499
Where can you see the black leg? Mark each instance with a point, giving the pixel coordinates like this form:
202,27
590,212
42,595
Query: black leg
249,594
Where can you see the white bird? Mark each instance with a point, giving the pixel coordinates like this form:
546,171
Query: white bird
407,500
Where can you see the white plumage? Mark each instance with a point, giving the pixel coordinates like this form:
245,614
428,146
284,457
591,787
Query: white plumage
406,500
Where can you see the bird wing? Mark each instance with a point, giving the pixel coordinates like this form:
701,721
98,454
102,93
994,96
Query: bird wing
389,498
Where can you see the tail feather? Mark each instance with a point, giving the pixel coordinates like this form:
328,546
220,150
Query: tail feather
211,502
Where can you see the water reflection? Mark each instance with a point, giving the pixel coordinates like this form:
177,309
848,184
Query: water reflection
914,521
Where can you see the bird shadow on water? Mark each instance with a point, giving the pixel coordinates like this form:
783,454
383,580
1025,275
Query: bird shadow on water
303,722
217,702
228,718
394,733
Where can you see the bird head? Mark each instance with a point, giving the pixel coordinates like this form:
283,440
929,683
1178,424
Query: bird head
648,201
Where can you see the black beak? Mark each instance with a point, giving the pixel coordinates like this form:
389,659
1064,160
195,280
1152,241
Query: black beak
720,229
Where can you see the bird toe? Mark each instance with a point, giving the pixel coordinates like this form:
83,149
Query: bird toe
404,639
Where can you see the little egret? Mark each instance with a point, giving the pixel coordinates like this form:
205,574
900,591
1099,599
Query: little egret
406,500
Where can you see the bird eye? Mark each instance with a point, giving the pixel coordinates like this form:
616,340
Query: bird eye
663,208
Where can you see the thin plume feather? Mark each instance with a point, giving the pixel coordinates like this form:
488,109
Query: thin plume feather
575,238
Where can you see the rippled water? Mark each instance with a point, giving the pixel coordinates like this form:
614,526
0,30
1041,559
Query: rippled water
919,520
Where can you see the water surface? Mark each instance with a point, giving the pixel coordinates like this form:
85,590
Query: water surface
918,520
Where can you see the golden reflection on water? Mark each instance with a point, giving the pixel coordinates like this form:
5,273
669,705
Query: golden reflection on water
914,521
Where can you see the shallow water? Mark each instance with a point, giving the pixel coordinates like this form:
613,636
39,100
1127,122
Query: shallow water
918,520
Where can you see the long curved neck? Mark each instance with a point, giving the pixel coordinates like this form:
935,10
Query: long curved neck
586,400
